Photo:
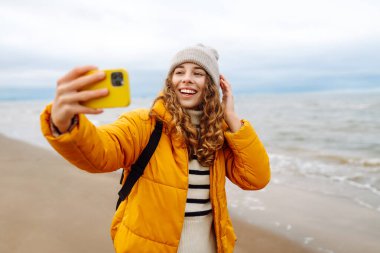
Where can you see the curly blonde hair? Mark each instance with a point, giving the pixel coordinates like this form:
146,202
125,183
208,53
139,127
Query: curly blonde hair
210,138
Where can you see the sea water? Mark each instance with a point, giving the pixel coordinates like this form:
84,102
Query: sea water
324,142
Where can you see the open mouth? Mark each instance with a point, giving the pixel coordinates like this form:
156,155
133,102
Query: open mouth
187,91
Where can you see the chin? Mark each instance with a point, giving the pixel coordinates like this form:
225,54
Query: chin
191,106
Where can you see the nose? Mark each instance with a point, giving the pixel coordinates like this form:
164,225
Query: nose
187,78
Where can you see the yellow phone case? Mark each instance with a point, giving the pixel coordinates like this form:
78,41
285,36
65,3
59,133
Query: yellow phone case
117,83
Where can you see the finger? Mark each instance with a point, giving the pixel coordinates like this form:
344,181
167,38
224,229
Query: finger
223,78
81,109
225,82
75,73
84,96
222,83
87,80
81,82
226,87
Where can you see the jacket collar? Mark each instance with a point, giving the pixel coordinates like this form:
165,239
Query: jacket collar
160,110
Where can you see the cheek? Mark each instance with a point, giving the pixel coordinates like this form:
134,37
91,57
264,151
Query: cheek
203,92
202,86
175,81
202,80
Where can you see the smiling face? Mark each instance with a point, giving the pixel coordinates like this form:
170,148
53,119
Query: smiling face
189,83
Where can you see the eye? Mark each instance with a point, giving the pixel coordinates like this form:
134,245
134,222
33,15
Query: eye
199,74
178,72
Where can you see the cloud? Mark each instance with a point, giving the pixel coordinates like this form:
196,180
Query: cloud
272,43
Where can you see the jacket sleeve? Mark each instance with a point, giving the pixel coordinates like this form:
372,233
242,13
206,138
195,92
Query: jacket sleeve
97,149
247,162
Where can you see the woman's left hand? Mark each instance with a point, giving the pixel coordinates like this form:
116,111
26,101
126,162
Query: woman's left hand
230,116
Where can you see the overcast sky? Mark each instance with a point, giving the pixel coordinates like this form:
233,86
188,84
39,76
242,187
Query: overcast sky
271,45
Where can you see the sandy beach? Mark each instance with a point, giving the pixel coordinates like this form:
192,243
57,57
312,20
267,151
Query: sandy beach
49,206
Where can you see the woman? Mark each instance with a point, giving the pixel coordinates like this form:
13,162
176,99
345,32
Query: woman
179,204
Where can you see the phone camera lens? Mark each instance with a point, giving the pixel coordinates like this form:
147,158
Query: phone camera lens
117,79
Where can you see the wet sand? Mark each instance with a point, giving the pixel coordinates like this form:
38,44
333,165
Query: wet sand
49,206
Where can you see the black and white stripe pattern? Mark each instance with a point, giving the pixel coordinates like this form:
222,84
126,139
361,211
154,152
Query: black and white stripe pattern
198,195
197,232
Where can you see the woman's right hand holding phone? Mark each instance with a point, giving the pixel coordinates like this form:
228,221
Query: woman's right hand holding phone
69,95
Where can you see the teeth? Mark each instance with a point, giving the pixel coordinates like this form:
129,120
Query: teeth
187,91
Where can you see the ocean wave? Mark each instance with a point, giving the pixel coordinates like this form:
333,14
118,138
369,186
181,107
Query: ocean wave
374,162
364,162
335,168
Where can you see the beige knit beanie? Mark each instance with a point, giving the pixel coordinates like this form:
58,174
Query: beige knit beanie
206,57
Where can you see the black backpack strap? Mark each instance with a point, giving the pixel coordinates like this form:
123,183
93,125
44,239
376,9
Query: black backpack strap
138,167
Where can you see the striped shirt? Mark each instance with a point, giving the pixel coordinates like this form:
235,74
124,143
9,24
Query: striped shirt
198,233
198,195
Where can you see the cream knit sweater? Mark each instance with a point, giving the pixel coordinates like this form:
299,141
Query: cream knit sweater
198,231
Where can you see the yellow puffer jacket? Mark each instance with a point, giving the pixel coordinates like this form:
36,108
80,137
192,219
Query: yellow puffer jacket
151,218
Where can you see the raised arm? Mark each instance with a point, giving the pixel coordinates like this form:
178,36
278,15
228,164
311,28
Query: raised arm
94,149
247,162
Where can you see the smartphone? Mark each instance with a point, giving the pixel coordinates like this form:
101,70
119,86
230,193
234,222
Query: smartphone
117,83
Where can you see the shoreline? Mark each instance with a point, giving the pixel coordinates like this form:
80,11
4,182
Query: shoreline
50,206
